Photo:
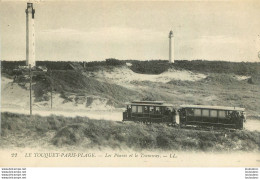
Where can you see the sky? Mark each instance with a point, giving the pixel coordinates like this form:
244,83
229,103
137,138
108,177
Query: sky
91,30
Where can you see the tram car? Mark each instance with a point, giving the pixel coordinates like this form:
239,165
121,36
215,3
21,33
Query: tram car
150,112
219,116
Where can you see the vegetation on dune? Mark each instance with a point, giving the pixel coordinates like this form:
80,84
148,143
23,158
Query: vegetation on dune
218,89
151,66
86,133
68,82
254,79
203,66
213,79
8,66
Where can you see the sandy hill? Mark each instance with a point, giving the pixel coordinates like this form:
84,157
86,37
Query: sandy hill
109,84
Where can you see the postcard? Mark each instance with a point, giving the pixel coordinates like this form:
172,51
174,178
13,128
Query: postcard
130,84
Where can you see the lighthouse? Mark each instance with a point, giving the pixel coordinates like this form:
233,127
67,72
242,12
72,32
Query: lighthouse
30,35
171,47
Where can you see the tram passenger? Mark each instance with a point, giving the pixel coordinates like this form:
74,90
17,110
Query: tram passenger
157,110
151,109
145,109
167,111
128,108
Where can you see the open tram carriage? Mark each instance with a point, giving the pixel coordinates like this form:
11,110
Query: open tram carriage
150,112
213,116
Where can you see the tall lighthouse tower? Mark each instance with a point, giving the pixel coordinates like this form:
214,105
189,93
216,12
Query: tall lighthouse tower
30,35
171,47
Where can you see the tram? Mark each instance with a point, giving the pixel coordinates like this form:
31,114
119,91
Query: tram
219,116
150,112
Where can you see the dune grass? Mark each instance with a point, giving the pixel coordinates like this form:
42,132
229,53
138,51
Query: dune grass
83,132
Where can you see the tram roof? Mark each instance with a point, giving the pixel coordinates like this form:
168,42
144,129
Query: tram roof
150,103
213,107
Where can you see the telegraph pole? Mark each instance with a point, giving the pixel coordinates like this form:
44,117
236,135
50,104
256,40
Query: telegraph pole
30,74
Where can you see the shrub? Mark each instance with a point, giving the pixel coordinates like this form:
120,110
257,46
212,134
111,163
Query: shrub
114,62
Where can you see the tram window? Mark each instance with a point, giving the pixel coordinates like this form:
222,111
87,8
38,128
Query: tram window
190,112
213,113
221,114
151,109
228,113
205,112
134,108
140,109
197,112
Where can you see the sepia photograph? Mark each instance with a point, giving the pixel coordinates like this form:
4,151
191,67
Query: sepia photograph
130,83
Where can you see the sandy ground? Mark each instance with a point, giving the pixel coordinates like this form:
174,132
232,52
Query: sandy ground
12,94
15,96
125,75
252,125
